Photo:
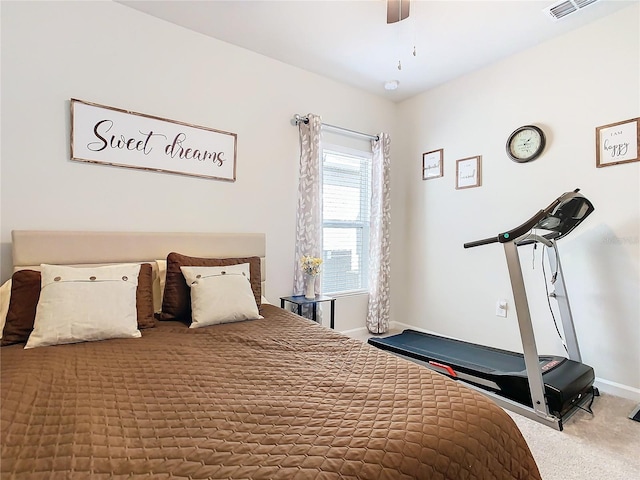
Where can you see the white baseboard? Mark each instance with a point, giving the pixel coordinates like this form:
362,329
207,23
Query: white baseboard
361,330
618,390
398,326
394,327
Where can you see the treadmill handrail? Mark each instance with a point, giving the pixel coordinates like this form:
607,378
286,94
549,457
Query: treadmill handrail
484,241
519,231
515,233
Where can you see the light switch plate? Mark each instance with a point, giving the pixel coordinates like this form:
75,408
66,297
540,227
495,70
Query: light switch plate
501,308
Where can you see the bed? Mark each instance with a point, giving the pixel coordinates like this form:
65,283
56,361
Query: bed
275,397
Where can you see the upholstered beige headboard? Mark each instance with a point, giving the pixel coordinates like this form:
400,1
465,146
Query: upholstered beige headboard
33,247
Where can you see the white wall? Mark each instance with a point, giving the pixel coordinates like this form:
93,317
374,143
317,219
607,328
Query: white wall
107,53
568,86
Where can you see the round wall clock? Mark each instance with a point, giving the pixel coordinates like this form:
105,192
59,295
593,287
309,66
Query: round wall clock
525,144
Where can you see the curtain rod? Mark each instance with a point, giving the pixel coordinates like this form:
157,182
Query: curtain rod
299,118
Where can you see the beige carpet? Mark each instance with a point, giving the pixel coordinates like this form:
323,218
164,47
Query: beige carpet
605,446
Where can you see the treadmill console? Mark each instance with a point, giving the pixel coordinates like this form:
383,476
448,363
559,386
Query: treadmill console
571,209
563,215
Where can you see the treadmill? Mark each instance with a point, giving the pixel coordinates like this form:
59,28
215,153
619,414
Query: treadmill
548,389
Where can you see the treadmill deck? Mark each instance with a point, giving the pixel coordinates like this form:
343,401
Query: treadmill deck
501,371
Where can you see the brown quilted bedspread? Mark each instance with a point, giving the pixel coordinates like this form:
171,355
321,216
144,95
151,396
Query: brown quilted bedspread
279,398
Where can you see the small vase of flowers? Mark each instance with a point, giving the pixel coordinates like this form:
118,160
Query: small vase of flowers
311,268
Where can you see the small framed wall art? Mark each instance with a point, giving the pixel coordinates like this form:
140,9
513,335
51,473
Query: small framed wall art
432,166
468,172
618,143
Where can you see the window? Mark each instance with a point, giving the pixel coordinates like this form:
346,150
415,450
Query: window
346,198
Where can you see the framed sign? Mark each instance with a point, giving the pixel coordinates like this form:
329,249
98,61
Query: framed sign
618,143
468,172
432,166
112,136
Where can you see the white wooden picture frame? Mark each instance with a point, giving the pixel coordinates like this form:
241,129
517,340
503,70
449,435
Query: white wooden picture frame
113,136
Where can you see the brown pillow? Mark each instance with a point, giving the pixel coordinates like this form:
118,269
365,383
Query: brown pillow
144,297
25,293
176,303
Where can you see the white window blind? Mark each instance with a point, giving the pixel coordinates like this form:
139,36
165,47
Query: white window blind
346,197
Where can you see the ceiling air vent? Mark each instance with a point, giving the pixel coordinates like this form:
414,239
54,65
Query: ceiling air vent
566,7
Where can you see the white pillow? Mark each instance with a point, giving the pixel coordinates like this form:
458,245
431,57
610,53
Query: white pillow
5,296
85,304
220,295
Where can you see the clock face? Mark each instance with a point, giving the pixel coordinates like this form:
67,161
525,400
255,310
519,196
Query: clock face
525,144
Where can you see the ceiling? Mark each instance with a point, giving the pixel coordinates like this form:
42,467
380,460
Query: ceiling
351,42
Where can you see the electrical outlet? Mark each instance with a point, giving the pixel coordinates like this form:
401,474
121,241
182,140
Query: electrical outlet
501,308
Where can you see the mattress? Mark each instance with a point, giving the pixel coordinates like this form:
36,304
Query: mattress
275,398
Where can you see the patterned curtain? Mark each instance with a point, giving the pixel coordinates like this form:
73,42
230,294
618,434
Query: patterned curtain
379,248
309,213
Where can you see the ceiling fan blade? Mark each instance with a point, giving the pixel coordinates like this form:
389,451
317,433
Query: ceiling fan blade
397,10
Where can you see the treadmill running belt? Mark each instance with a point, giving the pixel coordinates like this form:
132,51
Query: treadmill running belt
464,354
455,352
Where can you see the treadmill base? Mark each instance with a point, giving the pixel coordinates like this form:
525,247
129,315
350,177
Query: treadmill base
550,420
500,374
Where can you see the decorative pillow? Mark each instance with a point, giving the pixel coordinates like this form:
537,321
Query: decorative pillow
144,297
243,269
220,295
25,292
5,295
158,286
85,304
176,303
